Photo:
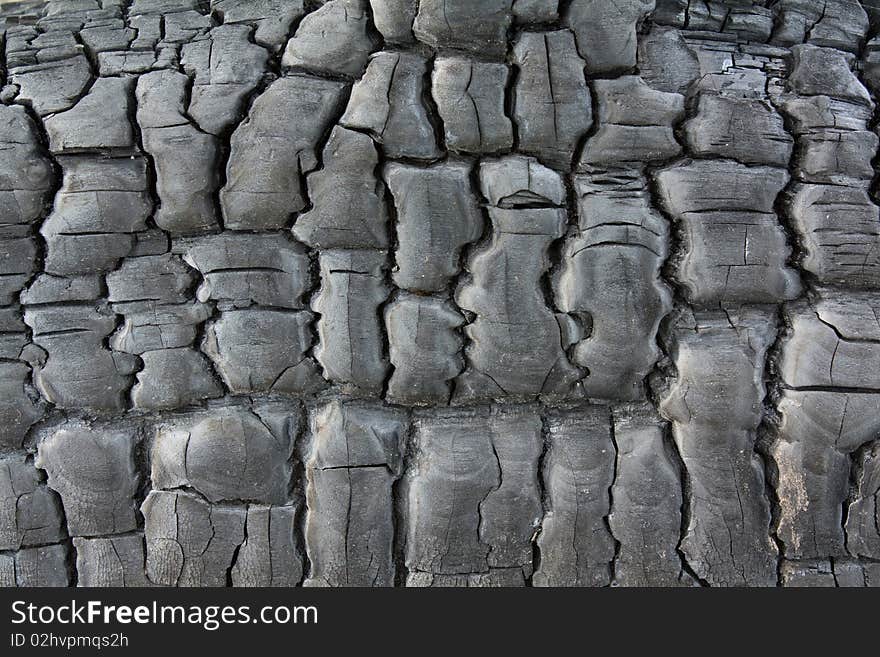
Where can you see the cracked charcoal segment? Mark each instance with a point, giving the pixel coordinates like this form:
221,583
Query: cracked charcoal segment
334,39
263,188
354,460
388,103
517,343
552,106
616,255
94,474
226,456
439,293
715,408
576,544
472,470
350,348
437,216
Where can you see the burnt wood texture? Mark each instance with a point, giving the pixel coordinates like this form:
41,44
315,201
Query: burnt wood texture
439,293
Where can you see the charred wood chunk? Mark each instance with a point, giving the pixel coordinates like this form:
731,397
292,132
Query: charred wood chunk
472,500
273,148
94,472
111,561
517,344
333,39
355,458
226,455
610,280
606,32
552,106
348,201
30,513
437,216
715,405
646,502
350,345
425,347
635,124
575,543
734,248
470,98
387,102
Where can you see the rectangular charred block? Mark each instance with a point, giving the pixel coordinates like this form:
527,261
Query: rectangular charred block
470,99
190,542
18,261
735,248
742,129
30,513
270,553
354,460
863,514
834,143
272,18
424,348
388,103
25,172
53,86
516,181
437,216
228,454
394,19
635,124
552,104
125,61
666,61
517,342
575,543
477,26
226,67
610,279
536,11
348,200
93,471
151,326
472,495
334,39
241,270
44,566
350,345
839,24
606,32
156,278
186,159
825,72
646,501
102,33
19,406
817,434
834,342
13,334
839,227
173,378
47,288
102,202
715,406
98,122
259,350
76,370
273,148
115,561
